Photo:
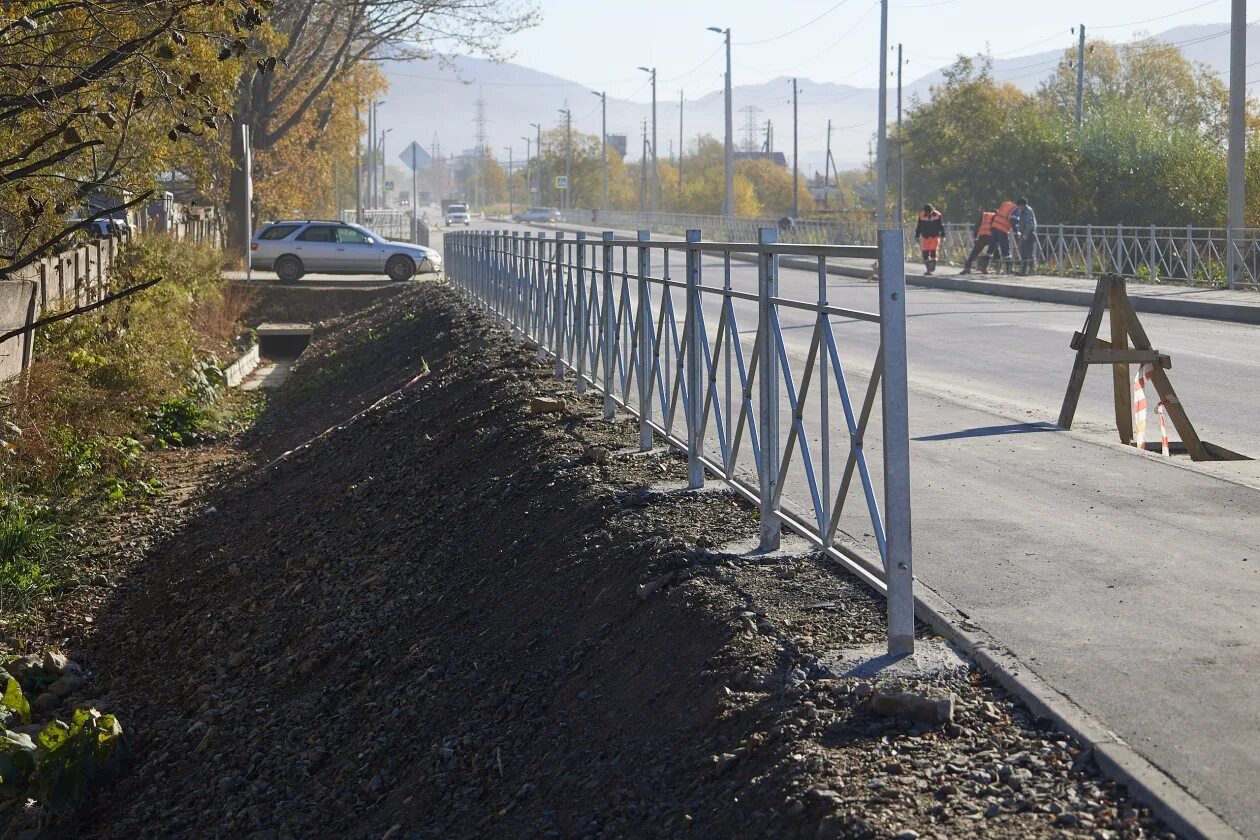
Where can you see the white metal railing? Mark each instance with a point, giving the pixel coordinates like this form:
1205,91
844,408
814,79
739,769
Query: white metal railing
1186,255
752,409
391,224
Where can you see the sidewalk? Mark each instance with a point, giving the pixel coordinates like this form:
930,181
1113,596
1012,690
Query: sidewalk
1187,302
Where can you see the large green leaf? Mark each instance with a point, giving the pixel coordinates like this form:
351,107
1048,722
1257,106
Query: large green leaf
14,699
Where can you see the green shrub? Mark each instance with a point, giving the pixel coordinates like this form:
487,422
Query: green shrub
33,548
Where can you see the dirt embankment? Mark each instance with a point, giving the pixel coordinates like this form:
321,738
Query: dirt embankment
455,618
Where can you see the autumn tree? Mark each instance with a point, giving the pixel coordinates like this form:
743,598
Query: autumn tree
102,96
321,42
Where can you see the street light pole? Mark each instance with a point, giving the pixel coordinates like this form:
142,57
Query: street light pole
538,162
529,142
881,137
358,167
1236,199
728,208
796,154
603,149
511,192
566,202
656,175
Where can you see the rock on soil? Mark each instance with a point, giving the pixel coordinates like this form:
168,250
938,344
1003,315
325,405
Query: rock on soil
433,624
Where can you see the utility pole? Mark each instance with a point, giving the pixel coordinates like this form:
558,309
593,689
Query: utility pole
728,207
656,174
603,149
1237,193
529,142
881,137
358,167
901,151
682,100
1080,80
565,201
538,163
512,193
371,155
796,154
643,174
827,170
380,147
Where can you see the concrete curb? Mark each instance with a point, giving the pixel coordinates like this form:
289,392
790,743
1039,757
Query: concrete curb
1117,761
235,373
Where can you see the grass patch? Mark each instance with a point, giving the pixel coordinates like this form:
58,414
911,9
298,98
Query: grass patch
141,373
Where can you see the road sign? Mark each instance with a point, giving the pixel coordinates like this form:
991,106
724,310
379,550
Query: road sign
533,187
414,156
389,186
562,182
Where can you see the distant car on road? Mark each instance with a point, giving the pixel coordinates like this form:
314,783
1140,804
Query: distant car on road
457,214
539,215
294,248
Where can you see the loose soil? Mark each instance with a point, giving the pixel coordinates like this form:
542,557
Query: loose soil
456,618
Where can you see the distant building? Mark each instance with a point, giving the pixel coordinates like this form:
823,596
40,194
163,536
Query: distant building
618,142
778,158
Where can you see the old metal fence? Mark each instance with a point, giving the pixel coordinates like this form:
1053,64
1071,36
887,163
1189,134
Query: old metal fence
635,320
1150,253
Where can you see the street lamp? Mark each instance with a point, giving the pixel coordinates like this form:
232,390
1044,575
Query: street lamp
656,176
729,208
511,202
603,148
565,201
381,147
538,161
529,142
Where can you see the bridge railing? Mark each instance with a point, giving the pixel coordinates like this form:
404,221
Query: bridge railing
1198,256
663,330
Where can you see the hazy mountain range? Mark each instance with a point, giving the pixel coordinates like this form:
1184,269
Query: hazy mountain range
436,105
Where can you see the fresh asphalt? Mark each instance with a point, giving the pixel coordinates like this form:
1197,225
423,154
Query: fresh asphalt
1129,583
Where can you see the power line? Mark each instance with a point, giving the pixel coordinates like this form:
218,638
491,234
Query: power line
1158,17
791,31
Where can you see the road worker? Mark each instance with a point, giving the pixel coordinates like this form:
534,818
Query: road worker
984,239
1025,222
928,231
1002,226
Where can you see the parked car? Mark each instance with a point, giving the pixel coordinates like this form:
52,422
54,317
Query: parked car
539,215
457,214
294,248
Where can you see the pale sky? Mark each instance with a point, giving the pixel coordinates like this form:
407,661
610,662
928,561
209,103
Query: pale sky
600,43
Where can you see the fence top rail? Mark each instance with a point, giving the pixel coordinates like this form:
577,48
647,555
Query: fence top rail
779,248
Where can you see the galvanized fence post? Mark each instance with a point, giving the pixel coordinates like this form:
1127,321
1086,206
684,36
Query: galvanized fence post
892,334
1189,254
1089,250
645,352
1118,257
1151,256
696,390
514,282
559,331
768,376
1231,266
582,328
609,327
1058,264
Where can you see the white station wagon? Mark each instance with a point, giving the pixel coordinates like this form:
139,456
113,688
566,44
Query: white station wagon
294,248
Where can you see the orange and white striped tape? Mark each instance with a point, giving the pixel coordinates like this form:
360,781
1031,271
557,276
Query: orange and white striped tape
1139,411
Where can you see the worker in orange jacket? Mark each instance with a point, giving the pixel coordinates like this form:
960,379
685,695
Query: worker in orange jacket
1002,225
984,239
928,231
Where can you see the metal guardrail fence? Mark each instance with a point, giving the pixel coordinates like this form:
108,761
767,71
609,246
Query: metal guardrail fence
391,224
608,312
1186,255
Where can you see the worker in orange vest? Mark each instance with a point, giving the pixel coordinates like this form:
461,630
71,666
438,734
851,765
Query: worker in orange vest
1002,233
928,231
984,239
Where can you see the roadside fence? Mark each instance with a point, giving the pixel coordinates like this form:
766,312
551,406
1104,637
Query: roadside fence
1149,253
631,319
391,224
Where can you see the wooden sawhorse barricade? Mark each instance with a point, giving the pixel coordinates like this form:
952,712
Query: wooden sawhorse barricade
1111,297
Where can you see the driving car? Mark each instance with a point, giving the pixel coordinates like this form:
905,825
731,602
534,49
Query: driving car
540,215
294,248
457,214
